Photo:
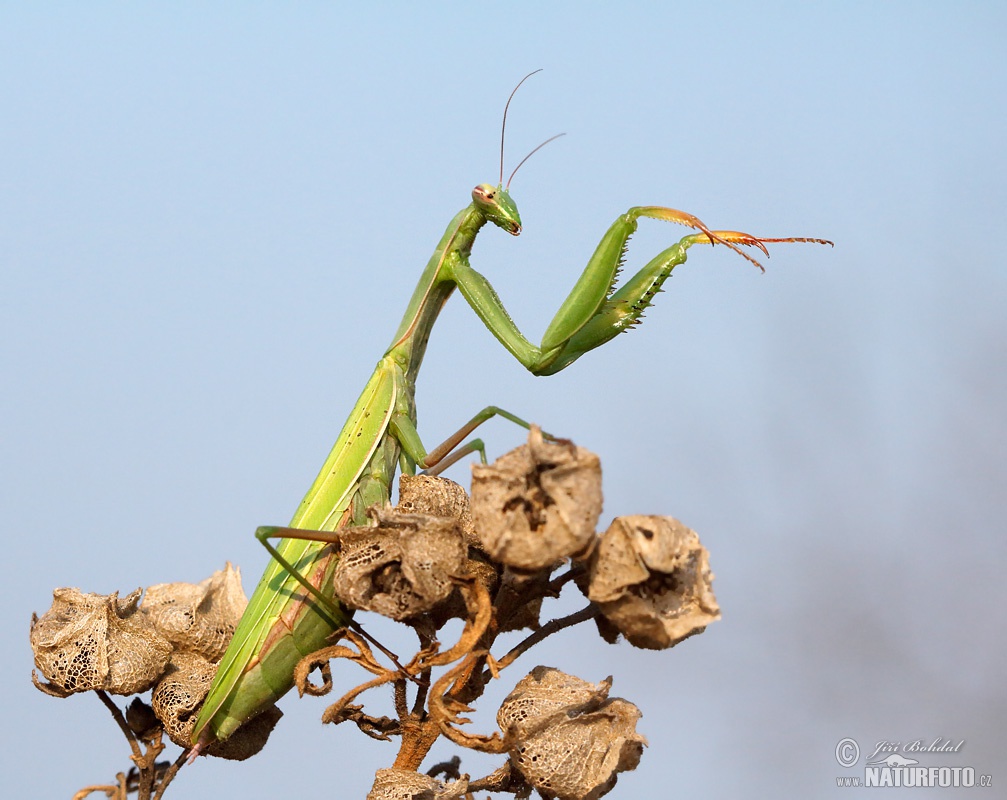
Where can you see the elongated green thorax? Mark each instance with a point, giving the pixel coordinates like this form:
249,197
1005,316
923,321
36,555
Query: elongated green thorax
489,204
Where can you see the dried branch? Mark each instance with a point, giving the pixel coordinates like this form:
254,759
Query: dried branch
553,626
381,728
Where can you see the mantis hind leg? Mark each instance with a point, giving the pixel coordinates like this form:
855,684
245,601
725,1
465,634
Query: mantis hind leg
339,615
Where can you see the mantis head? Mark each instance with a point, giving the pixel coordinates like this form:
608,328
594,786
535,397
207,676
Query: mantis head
494,202
496,205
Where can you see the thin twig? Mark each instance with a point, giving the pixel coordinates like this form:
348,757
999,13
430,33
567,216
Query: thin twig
419,704
400,699
120,721
552,626
356,626
424,630
555,586
170,774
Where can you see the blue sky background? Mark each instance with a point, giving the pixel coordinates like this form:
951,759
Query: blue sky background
211,219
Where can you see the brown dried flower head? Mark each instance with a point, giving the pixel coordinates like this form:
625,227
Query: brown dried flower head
403,784
93,641
176,699
404,566
538,504
142,720
651,579
567,737
198,617
179,692
439,497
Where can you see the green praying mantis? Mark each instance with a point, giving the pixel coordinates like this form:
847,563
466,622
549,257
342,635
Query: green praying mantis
284,621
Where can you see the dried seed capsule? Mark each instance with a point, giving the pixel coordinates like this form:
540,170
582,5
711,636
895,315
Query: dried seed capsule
92,641
538,504
179,693
403,567
440,497
437,497
403,784
651,579
199,618
567,737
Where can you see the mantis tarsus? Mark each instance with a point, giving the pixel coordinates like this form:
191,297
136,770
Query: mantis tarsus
283,622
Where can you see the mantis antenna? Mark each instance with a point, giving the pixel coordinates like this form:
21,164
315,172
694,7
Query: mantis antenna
533,152
503,128
503,131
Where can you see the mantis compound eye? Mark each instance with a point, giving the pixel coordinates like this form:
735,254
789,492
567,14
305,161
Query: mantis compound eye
484,193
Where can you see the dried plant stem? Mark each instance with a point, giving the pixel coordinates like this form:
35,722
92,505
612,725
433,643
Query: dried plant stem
465,683
503,779
418,736
170,774
553,626
120,720
400,699
146,770
117,792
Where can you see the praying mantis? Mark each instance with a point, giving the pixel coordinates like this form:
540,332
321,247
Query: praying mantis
283,621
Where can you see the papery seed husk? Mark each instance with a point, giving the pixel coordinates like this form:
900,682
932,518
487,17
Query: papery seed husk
90,641
537,504
650,577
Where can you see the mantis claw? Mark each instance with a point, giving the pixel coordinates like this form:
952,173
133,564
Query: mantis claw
732,238
692,221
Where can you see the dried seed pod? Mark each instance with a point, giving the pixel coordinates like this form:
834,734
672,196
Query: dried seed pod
199,618
142,720
538,504
437,497
440,497
93,641
402,567
403,784
478,567
177,698
567,737
179,693
651,579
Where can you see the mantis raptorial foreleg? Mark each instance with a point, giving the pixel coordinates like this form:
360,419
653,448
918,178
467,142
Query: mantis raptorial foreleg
591,314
